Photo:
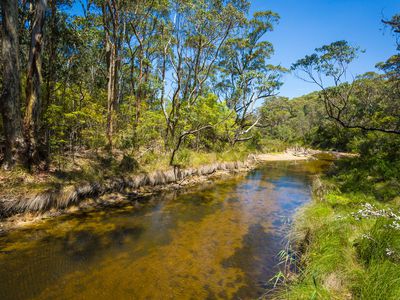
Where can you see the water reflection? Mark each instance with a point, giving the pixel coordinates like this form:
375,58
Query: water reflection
216,242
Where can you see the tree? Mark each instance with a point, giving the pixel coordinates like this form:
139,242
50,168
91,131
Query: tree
392,66
245,76
112,27
354,105
146,21
33,111
200,29
11,94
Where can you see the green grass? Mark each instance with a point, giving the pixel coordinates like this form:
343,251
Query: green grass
346,254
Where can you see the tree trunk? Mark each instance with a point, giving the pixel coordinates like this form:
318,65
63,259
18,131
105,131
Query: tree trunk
51,76
11,94
33,85
50,79
111,94
112,40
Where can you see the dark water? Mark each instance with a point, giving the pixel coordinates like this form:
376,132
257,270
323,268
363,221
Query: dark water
217,242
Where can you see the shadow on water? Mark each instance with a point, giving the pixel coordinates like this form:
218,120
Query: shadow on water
257,258
217,241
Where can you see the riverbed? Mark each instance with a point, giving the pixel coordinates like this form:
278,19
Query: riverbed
217,241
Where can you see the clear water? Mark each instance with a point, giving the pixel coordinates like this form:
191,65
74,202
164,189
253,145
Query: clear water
219,241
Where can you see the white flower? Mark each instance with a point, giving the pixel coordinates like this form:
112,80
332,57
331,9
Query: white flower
389,252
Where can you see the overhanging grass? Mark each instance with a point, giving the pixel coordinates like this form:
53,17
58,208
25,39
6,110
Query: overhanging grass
97,166
345,256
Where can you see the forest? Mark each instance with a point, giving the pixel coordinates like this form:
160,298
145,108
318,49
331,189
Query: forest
135,77
90,89
154,77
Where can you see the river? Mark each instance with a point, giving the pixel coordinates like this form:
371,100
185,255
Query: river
217,241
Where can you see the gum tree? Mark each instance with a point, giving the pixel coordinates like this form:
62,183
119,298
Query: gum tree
361,103
33,112
245,76
11,92
199,31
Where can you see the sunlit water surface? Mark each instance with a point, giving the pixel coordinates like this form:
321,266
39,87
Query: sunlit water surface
216,242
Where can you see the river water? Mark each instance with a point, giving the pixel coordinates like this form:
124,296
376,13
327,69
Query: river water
219,241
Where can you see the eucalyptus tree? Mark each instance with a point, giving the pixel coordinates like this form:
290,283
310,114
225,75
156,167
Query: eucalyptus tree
34,77
358,104
11,92
145,29
199,31
245,76
392,66
74,73
57,30
113,27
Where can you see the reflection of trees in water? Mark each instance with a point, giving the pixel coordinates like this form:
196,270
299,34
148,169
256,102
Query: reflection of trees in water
257,258
86,245
219,240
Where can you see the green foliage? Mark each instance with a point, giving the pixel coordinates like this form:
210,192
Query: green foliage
351,237
381,242
376,171
208,110
330,60
369,103
302,121
79,115
245,75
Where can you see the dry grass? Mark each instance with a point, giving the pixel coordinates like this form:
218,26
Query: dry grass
41,194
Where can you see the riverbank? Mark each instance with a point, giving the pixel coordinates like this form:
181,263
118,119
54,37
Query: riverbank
213,240
345,244
23,207
24,210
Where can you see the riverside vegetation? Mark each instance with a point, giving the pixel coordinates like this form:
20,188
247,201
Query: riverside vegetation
132,87
345,244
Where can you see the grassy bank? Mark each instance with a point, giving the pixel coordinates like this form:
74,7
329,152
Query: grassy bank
97,166
348,237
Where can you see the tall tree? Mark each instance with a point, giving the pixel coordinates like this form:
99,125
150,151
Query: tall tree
392,66
200,29
146,19
11,94
33,85
52,46
113,38
245,75
354,104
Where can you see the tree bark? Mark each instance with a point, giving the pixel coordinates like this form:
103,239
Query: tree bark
111,28
33,86
111,94
50,79
11,94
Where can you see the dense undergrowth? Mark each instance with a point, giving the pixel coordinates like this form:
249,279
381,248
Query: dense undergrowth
348,237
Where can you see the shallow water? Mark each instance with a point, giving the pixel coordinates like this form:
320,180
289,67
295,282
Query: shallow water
216,242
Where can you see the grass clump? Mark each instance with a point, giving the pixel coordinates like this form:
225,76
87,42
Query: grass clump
349,243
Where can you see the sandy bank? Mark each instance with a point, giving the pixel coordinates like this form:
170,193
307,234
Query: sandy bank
296,154
281,157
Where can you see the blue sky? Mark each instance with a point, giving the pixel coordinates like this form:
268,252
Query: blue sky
308,24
